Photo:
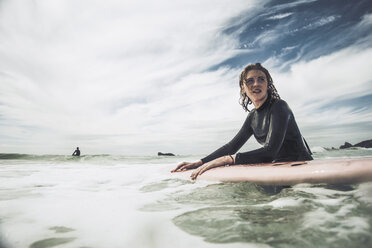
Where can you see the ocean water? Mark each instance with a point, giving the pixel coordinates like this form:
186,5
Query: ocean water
131,201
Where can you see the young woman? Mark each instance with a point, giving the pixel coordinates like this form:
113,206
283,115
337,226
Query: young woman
271,122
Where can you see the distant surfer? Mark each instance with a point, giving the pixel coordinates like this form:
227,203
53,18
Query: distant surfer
271,122
76,152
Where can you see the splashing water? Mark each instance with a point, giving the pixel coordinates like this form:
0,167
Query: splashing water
124,201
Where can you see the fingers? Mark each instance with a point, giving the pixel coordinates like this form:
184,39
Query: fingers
182,166
178,167
198,172
195,174
186,166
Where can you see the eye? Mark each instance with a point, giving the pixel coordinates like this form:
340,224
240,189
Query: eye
250,81
261,79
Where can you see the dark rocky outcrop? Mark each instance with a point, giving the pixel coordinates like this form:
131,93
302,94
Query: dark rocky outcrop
365,144
346,145
165,154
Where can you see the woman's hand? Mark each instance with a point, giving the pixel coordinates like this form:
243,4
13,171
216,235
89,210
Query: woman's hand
212,164
187,166
201,170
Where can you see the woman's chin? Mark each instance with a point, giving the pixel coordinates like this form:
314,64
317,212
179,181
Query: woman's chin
258,98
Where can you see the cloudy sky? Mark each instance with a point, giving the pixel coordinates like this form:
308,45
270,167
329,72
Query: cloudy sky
138,77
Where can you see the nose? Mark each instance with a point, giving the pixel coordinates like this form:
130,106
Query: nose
255,82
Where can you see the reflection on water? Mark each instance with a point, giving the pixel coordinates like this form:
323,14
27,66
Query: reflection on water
299,216
242,193
164,184
120,204
61,229
243,224
51,242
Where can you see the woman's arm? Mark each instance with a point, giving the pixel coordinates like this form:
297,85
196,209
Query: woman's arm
230,148
235,144
212,164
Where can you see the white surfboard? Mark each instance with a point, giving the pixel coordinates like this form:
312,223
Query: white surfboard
340,171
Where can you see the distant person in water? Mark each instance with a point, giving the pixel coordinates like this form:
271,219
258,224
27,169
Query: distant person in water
271,122
76,152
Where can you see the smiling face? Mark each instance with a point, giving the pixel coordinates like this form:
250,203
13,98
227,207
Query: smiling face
255,86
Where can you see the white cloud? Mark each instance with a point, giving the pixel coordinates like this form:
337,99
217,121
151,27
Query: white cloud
132,77
116,74
309,87
366,21
279,16
323,21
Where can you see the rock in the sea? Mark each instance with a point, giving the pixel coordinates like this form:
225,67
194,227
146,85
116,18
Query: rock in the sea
165,154
365,144
346,145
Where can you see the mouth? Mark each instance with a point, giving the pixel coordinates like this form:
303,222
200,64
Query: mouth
256,91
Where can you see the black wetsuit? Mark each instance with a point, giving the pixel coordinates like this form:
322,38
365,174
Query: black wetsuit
274,126
76,153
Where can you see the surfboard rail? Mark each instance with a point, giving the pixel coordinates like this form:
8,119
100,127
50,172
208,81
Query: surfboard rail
338,171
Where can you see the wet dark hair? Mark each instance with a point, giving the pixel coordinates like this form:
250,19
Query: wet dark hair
271,90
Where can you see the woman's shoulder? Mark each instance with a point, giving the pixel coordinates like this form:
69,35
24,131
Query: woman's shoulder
280,104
